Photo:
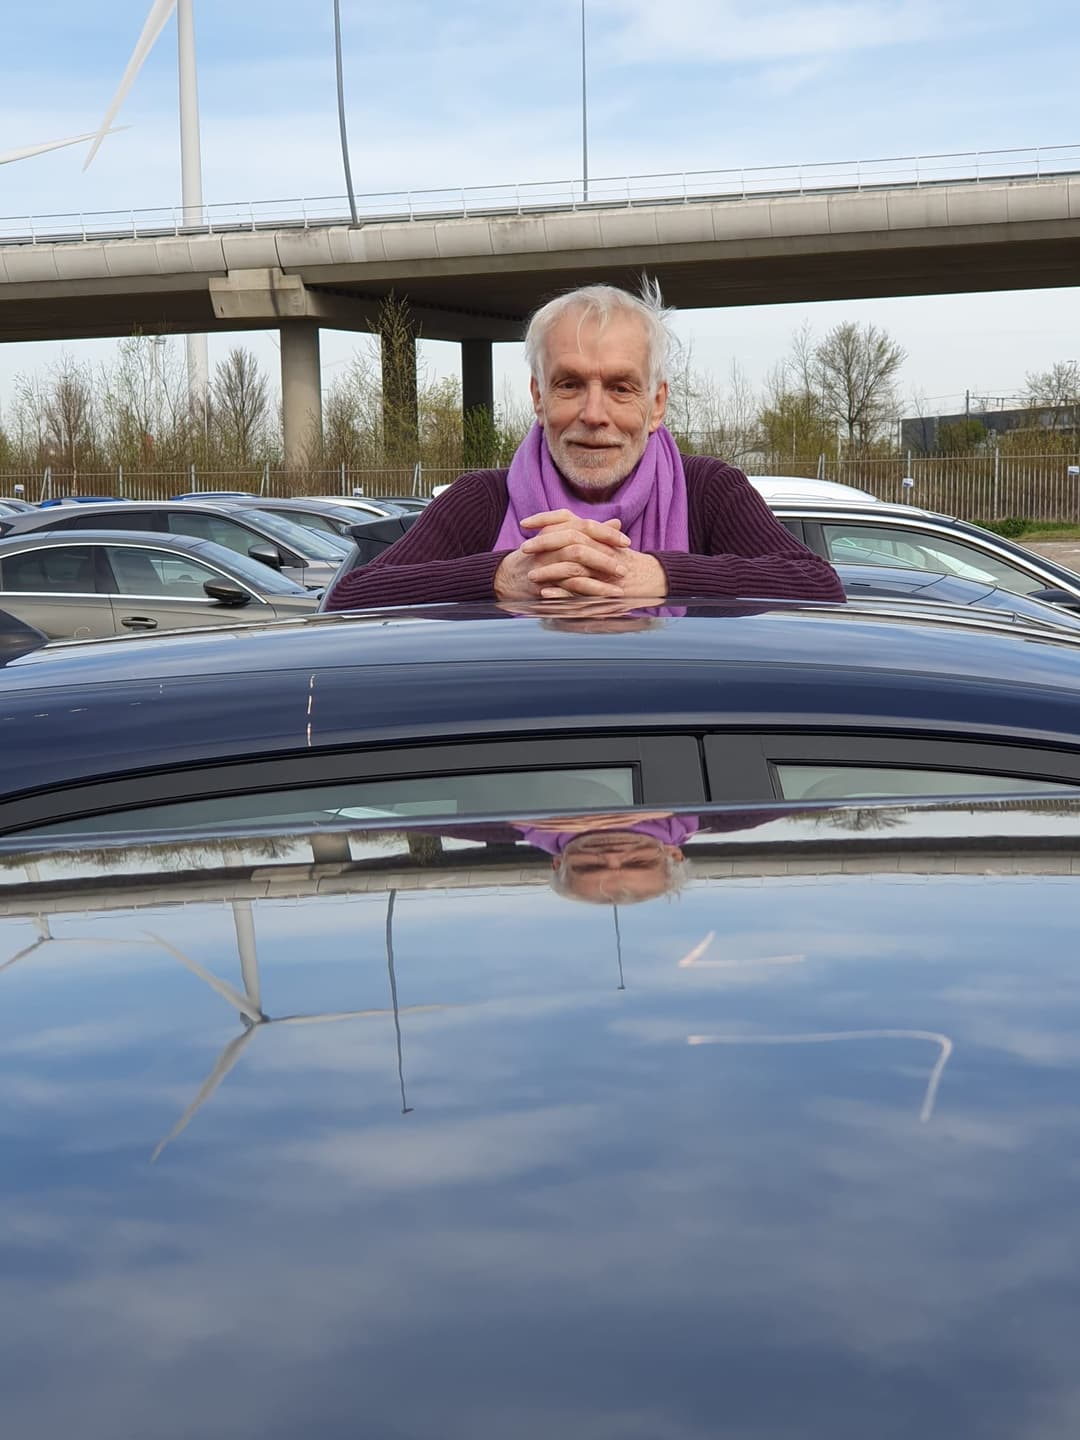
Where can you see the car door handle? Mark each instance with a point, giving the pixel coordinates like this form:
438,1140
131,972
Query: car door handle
138,622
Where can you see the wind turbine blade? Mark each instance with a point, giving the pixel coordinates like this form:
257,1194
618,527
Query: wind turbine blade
156,21
225,1062
346,1015
221,987
29,151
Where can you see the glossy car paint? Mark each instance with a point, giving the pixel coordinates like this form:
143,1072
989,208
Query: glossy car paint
403,1149
465,672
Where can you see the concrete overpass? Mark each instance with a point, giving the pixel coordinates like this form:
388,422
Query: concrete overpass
475,277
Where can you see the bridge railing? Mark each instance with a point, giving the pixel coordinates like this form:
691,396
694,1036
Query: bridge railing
599,193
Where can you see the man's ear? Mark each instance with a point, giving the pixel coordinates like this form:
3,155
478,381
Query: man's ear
538,404
659,407
556,863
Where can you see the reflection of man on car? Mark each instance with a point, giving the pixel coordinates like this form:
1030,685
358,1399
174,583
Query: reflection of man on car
614,859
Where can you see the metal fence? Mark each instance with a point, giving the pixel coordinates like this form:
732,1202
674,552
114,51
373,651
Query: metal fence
980,487
973,487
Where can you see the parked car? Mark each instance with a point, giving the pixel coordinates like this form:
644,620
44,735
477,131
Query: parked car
402,1143
881,582
367,505
52,502
800,487
468,709
325,516
14,505
404,502
108,582
877,533
215,495
300,554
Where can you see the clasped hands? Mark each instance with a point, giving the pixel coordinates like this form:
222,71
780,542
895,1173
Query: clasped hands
571,556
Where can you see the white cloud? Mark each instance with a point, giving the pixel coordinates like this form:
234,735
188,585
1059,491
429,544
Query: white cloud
699,31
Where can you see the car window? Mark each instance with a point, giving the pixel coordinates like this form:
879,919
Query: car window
864,782
120,517
436,795
218,528
263,578
51,569
309,519
305,542
141,571
914,549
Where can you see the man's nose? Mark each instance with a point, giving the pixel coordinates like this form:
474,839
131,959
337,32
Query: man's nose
593,409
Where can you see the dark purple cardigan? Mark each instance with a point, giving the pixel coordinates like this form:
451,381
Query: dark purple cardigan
737,547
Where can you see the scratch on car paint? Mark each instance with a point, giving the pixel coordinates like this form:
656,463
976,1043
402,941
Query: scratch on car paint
310,708
823,1038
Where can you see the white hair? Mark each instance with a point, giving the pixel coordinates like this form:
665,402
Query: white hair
677,874
601,302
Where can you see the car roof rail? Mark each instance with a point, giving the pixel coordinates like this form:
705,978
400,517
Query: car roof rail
17,638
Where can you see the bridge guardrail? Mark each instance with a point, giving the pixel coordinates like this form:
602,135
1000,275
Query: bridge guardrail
603,192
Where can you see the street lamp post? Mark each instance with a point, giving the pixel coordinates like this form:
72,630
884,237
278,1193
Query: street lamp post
584,115
341,111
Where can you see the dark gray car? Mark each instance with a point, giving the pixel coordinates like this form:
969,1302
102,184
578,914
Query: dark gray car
105,582
300,554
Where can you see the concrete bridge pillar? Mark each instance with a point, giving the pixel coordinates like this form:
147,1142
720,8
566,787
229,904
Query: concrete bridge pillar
301,392
477,401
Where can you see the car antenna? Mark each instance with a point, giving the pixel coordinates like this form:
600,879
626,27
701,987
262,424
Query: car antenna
618,946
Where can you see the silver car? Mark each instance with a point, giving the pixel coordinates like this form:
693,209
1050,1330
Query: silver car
105,582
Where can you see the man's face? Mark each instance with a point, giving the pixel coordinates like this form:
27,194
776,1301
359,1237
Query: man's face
596,404
616,866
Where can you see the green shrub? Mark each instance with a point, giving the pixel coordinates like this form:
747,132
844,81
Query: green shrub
1012,527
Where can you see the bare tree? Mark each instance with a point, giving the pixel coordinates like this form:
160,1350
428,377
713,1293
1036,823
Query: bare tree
855,370
69,415
239,408
1055,394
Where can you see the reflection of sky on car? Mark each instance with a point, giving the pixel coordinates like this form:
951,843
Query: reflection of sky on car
574,1180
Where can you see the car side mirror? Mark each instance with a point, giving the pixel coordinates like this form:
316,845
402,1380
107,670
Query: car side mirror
226,594
267,554
1054,596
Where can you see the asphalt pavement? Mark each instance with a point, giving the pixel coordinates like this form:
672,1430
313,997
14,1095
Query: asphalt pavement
1062,552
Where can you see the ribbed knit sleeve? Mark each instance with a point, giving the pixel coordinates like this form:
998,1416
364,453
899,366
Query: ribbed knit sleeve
738,547
445,555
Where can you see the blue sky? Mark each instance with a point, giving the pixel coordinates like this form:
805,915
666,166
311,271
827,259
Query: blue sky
481,92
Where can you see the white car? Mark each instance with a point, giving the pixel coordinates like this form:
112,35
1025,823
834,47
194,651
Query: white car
798,487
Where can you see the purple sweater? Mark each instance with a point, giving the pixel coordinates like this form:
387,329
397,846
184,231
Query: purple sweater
737,547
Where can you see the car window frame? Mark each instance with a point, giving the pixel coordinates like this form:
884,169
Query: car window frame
288,557
668,773
102,574
741,768
185,555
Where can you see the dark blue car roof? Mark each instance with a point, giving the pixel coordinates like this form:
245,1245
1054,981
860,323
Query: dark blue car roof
333,681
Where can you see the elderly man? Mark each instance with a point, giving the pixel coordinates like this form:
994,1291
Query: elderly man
598,501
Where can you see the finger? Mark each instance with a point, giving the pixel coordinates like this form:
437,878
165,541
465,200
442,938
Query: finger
552,537
586,558
608,532
582,585
561,567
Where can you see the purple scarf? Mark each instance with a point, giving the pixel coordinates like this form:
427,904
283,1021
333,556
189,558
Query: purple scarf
650,503
672,831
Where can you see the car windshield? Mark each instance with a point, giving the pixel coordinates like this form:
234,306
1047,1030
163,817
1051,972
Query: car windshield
310,543
263,578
